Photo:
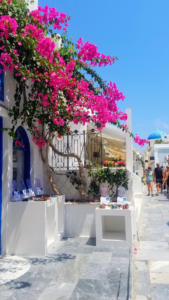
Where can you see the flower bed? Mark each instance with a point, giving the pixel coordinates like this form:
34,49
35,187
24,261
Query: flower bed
114,163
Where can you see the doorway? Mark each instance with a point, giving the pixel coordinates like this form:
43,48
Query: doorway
21,158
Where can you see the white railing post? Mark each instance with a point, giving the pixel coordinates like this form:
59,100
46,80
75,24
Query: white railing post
129,143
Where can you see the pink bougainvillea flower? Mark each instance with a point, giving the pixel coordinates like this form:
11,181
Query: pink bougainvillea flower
40,142
7,25
9,1
81,102
45,47
33,31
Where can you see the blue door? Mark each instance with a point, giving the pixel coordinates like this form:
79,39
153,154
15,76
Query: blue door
1,170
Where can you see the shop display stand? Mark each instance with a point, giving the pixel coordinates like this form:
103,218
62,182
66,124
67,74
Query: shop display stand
35,226
113,227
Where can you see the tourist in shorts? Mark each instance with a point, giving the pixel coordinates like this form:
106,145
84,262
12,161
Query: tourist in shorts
167,179
165,183
149,181
159,178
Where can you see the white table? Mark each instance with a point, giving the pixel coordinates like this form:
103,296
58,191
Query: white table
113,227
35,226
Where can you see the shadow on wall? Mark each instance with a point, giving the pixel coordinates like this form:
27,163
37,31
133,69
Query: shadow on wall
9,89
80,220
137,184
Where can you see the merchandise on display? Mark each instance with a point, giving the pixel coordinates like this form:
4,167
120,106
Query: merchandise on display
41,198
104,192
114,206
28,194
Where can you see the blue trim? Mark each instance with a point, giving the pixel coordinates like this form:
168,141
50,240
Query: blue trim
1,83
1,172
22,149
27,158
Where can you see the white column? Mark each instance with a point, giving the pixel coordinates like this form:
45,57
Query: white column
32,5
7,183
129,143
156,156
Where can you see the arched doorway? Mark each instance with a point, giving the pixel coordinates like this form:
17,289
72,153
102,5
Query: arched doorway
21,158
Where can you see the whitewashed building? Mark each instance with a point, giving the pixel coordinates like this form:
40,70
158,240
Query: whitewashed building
27,164
157,150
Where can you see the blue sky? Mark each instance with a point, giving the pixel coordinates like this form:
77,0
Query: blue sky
136,31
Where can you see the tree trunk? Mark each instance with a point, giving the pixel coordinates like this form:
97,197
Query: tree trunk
50,172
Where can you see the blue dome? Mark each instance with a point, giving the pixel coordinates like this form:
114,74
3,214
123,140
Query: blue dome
156,135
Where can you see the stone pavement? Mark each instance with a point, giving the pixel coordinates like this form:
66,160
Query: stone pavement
76,269
12,267
151,258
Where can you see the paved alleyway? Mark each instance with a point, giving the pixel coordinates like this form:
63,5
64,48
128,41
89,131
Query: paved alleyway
151,258
75,270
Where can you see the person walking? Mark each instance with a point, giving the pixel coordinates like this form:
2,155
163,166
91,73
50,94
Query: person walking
167,179
149,181
165,183
159,177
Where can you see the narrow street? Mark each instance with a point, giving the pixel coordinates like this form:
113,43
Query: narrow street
151,252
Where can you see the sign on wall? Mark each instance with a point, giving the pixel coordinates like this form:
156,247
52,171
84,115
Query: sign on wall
1,84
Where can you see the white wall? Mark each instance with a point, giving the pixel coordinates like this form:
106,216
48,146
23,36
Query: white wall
6,183
38,167
160,157
9,89
129,143
37,170
32,6
137,202
80,220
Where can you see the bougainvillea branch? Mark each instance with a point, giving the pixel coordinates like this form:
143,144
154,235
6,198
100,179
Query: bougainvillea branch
58,94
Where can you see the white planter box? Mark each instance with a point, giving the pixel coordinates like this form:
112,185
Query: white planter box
113,227
35,226
80,220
